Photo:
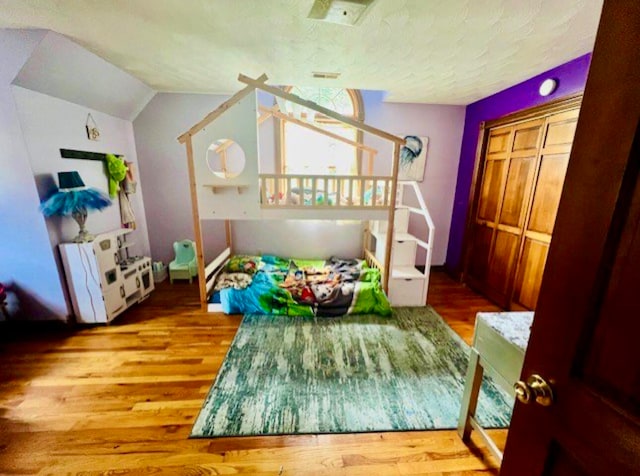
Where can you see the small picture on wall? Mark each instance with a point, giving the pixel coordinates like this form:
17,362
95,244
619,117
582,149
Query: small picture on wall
413,158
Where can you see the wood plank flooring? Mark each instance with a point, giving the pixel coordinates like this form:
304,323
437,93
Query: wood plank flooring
121,399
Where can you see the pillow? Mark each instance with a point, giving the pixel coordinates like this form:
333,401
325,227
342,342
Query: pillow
243,264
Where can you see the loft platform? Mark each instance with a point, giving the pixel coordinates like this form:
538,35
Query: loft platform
221,192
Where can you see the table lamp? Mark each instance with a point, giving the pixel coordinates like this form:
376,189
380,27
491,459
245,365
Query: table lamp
73,198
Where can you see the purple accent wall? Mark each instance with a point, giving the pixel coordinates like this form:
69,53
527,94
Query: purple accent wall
571,78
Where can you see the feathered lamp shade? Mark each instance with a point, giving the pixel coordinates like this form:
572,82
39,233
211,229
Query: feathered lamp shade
74,199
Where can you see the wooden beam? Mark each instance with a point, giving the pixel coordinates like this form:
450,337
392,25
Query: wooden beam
221,109
392,215
227,230
259,84
267,114
320,130
202,279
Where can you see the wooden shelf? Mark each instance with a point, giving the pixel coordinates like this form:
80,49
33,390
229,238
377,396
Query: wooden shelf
217,188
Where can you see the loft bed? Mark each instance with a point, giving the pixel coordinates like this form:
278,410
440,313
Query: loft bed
249,194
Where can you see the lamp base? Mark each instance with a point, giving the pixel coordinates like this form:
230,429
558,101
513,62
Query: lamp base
80,216
83,237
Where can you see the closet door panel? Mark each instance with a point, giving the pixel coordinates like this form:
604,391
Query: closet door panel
502,262
554,158
530,271
547,193
498,141
526,137
478,265
516,189
490,192
561,129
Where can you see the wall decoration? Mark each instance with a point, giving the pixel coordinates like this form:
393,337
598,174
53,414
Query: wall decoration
92,128
413,158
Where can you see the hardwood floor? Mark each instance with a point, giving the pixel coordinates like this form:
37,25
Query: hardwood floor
121,399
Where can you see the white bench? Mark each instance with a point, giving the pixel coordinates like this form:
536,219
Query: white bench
499,343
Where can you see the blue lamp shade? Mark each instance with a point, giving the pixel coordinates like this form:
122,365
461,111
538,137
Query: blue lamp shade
69,180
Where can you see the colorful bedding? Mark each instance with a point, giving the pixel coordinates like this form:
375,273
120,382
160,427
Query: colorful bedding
296,287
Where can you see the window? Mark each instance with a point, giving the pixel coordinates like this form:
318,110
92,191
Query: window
306,152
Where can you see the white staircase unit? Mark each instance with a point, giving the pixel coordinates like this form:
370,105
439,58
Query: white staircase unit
408,286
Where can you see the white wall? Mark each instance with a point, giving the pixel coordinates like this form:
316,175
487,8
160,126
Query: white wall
443,125
166,185
27,264
63,69
50,124
309,239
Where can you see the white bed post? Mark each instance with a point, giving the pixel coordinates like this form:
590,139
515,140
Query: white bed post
392,214
202,279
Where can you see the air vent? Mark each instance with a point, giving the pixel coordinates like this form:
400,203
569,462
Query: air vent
321,75
342,12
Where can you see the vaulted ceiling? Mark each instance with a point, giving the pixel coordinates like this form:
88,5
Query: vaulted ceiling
431,51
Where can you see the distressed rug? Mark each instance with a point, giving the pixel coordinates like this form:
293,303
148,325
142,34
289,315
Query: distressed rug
295,375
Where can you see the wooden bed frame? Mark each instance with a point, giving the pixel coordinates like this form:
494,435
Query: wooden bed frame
349,191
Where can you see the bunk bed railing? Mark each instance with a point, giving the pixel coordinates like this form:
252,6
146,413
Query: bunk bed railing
212,270
325,191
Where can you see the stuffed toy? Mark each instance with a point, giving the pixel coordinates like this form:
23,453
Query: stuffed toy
117,171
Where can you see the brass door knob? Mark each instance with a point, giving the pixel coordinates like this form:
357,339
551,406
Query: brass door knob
535,388
523,394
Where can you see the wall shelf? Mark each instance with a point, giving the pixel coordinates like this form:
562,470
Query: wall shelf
219,188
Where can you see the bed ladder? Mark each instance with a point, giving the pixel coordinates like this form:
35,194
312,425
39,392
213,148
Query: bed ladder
408,285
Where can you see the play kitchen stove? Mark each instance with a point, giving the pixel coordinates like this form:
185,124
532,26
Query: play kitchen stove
141,262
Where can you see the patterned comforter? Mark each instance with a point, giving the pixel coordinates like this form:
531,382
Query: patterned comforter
274,285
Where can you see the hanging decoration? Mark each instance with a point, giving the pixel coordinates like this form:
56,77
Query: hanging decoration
93,133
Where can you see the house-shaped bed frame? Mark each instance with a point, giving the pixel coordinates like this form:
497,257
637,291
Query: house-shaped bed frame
252,195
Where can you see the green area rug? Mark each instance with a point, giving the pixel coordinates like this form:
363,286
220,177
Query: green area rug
292,375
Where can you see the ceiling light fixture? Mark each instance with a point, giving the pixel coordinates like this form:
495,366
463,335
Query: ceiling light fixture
342,12
547,87
324,75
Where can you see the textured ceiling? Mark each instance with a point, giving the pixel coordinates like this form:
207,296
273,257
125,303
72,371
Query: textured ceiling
432,51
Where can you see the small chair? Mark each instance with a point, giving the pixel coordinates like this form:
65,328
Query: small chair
185,265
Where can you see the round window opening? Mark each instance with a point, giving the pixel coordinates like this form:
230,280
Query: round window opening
225,158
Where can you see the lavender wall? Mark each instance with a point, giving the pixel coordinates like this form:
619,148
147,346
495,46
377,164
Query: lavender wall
27,265
163,169
571,78
443,126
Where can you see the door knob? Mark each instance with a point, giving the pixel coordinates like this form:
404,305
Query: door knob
534,389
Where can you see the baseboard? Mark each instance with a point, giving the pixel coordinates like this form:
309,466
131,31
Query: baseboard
18,328
438,268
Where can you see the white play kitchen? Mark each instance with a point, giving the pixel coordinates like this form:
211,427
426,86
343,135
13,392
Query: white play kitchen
103,279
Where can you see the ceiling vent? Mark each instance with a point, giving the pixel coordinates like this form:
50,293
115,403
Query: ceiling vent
321,75
342,12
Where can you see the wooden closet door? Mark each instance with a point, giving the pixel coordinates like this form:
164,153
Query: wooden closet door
550,172
509,170
496,154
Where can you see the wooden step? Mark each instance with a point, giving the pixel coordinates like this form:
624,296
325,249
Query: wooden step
406,272
398,237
